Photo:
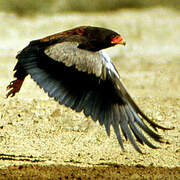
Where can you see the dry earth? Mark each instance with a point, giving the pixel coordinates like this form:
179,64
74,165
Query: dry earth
39,139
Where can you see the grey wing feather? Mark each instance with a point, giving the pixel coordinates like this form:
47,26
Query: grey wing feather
124,93
83,60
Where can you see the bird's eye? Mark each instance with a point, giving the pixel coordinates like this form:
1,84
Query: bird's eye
112,36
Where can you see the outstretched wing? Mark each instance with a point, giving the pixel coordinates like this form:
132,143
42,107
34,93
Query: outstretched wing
87,81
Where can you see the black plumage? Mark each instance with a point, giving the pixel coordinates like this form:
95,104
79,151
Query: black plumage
70,68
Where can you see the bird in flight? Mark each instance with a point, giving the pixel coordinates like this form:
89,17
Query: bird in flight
72,68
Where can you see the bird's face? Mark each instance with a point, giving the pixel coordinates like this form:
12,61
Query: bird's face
100,38
117,39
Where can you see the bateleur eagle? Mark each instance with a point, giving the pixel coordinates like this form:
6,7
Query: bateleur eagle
72,69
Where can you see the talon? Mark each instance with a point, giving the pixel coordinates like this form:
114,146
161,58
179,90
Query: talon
15,86
10,93
10,85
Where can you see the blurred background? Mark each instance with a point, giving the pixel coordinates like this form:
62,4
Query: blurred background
33,7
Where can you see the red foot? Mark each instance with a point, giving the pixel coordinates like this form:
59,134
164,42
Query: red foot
14,87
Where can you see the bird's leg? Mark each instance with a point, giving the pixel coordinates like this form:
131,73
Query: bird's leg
14,87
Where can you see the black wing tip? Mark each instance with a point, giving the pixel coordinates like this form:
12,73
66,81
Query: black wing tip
138,134
138,150
152,147
153,124
171,128
108,132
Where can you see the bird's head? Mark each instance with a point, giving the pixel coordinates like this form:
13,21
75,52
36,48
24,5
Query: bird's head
99,38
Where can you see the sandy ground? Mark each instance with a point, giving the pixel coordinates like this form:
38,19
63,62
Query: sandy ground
39,139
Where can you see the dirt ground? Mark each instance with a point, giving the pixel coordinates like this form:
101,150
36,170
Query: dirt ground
39,139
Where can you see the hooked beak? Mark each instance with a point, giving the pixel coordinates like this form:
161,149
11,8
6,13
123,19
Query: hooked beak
118,40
